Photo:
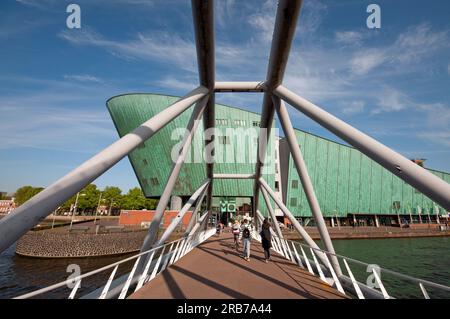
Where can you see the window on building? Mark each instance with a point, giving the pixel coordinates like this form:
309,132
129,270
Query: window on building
154,181
293,201
256,123
224,139
294,183
239,123
221,122
277,186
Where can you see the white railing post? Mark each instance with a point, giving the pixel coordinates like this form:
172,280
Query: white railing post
319,269
130,277
75,288
354,282
308,265
108,283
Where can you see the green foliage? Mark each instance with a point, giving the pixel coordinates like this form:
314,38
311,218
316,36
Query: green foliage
89,196
135,199
24,193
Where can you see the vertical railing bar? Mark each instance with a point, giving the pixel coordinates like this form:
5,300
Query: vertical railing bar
155,269
179,250
308,265
172,258
299,260
275,244
130,277
380,284
424,291
335,278
319,269
166,259
354,282
289,251
75,288
108,283
144,274
280,245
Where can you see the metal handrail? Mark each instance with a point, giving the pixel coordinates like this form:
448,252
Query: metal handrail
420,282
388,271
184,241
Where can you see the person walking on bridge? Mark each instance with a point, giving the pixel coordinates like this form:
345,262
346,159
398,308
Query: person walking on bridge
266,239
236,231
246,236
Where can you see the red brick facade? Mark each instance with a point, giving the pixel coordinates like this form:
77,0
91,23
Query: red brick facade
136,217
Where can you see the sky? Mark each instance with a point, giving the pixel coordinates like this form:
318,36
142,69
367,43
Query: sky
392,83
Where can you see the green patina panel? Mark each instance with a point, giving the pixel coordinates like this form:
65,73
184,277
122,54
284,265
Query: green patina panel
365,182
332,179
345,180
387,191
321,172
355,176
152,162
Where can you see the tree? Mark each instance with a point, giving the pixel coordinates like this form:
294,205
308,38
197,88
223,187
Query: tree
112,196
24,193
134,199
87,199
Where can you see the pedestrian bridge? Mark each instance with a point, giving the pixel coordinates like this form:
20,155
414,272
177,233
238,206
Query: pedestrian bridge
216,270
199,265
208,266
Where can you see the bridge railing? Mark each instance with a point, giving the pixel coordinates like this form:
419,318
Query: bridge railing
156,260
363,280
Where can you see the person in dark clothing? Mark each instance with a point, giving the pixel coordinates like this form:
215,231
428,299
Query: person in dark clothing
266,239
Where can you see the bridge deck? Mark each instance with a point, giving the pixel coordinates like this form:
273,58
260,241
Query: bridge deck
216,270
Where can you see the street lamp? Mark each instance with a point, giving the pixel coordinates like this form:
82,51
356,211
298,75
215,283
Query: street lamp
75,208
110,206
98,205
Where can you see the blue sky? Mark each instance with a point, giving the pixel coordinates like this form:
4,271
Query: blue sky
392,83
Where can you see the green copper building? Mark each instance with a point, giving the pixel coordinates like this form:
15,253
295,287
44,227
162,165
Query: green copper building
348,185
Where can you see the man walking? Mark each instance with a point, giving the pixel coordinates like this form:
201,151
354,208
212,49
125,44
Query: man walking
246,237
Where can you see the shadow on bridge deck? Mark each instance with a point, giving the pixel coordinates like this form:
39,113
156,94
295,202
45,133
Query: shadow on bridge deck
215,270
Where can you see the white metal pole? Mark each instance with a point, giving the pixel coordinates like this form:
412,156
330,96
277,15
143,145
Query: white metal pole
283,35
302,170
182,212
192,125
309,241
23,218
271,212
74,210
418,177
98,205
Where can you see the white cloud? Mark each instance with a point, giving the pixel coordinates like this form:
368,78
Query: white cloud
348,37
159,46
176,84
354,107
392,100
364,61
83,78
56,115
311,17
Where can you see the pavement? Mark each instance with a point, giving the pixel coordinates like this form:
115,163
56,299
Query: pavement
215,270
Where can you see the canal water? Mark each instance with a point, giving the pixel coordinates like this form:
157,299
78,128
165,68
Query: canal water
426,258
